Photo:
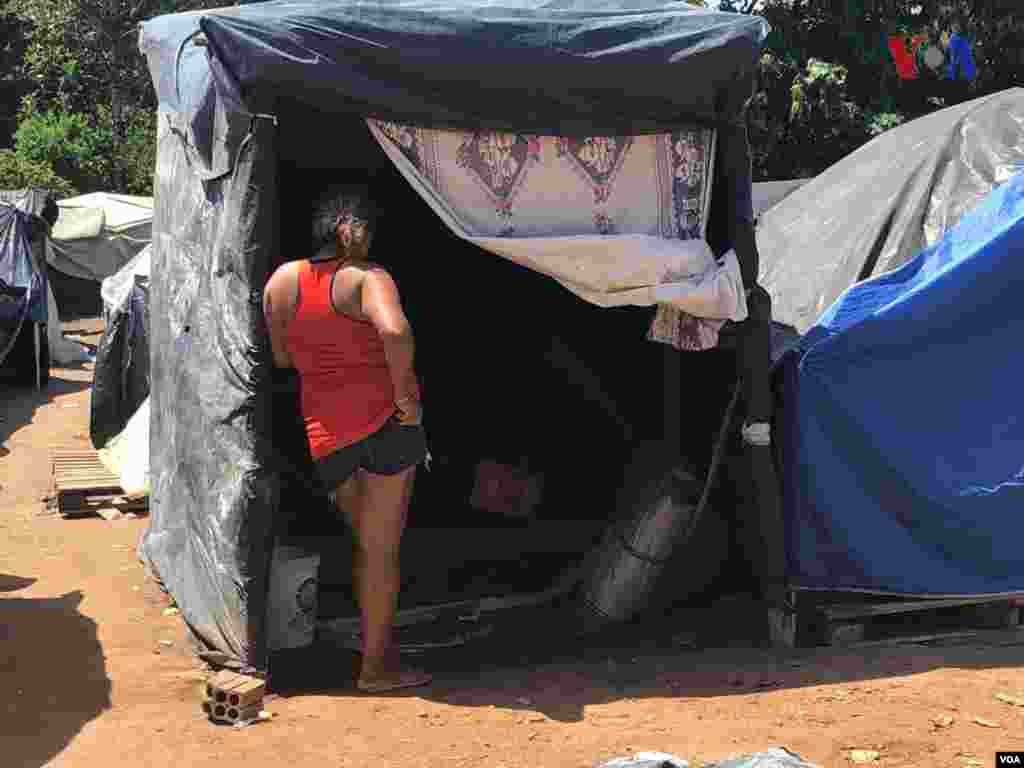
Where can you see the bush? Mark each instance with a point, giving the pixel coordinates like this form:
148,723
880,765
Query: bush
80,146
139,151
70,142
18,173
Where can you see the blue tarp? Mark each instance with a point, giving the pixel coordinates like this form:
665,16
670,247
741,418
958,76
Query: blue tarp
903,442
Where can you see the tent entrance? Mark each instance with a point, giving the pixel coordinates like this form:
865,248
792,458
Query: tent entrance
516,370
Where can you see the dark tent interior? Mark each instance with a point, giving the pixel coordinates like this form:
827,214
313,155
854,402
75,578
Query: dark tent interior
514,369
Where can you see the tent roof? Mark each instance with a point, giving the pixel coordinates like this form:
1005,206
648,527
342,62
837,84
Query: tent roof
90,215
873,211
31,201
551,66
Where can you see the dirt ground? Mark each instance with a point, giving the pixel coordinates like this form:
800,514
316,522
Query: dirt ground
92,673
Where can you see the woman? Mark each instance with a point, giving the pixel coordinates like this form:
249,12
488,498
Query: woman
337,319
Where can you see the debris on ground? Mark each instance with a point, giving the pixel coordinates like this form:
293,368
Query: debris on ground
778,757
1013,701
942,721
772,758
985,723
864,756
647,760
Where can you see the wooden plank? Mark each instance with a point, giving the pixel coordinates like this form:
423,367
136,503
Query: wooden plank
1004,615
85,477
88,474
89,486
910,640
849,611
844,635
95,502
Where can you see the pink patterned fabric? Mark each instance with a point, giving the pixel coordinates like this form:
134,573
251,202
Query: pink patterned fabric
507,185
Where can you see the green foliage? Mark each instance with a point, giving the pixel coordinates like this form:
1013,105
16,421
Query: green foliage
79,146
72,143
18,173
829,85
884,121
138,151
93,108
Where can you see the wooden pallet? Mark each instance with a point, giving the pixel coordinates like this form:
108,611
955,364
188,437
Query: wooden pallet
912,620
85,487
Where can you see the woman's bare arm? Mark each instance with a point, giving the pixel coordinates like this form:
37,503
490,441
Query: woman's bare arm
278,309
383,306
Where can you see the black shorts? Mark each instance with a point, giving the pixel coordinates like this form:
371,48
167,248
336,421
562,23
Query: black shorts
390,450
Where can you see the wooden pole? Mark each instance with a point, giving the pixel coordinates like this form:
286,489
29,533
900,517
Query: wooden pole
35,336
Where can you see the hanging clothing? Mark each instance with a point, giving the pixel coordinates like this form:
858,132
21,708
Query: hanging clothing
961,59
904,53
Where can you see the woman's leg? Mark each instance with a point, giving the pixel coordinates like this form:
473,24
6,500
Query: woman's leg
350,500
383,507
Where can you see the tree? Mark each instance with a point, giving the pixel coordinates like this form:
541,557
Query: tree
82,57
829,82
13,85
19,173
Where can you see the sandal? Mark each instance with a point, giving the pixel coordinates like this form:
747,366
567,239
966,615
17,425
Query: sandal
407,678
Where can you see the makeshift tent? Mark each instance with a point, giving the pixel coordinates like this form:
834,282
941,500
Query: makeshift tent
875,210
767,194
24,355
95,236
600,145
903,435
116,289
121,376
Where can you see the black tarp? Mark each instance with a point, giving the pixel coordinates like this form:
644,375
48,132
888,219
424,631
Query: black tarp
121,376
607,67
22,282
875,210
217,463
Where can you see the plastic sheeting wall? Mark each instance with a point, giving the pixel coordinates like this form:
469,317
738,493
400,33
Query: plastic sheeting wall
873,211
213,492
904,432
121,378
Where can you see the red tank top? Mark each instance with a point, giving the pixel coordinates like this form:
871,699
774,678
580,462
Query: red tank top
346,387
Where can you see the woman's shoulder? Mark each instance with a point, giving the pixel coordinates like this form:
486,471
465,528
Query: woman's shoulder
288,269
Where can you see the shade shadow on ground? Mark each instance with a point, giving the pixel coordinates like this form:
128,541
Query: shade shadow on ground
21,403
53,671
528,665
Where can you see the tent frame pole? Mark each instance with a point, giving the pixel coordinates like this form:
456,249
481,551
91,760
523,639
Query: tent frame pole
35,337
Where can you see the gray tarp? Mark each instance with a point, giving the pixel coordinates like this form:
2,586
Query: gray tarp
873,211
99,233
